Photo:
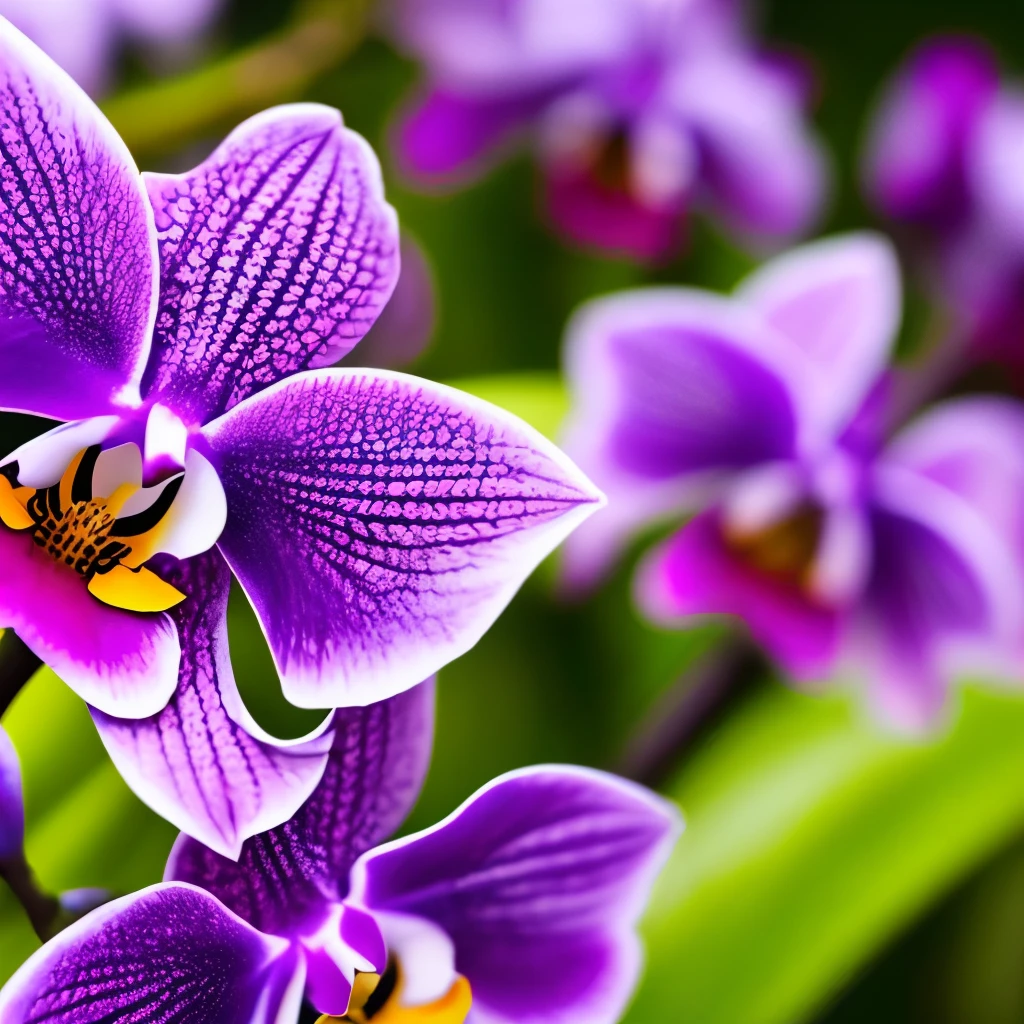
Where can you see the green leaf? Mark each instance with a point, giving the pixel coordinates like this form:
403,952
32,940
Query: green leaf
812,839
539,398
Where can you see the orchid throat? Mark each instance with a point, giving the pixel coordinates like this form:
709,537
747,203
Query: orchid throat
98,519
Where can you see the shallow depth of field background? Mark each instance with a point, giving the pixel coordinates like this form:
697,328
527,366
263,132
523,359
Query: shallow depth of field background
829,873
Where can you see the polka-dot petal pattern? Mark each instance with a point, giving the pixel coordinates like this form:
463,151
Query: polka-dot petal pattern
276,256
380,523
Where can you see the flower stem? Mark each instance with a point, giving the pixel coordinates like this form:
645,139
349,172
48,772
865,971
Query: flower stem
42,910
688,708
17,666
159,117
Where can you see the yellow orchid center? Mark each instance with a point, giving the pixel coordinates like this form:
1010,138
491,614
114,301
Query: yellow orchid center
376,999
88,534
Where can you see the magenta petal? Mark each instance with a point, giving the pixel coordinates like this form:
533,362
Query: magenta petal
77,251
276,255
611,220
917,154
122,662
445,138
538,880
170,953
695,574
380,523
195,763
289,876
12,811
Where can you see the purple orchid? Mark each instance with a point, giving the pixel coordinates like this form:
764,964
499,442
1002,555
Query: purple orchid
642,110
81,35
944,162
182,326
522,904
765,415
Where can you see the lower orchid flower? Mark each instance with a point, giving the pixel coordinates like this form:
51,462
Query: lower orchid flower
765,415
183,326
520,906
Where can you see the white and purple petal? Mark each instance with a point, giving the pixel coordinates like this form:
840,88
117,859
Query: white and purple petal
276,256
538,881
78,271
666,384
123,663
201,762
170,953
286,879
838,302
379,524
12,810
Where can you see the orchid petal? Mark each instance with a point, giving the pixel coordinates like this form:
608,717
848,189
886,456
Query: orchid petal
170,953
45,459
124,663
276,255
995,165
12,811
917,153
77,247
379,524
195,763
945,596
666,384
538,880
695,574
287,875
762,170
838,301
445,138
974,447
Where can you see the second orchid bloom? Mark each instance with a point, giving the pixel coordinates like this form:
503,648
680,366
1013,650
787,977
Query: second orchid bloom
845,548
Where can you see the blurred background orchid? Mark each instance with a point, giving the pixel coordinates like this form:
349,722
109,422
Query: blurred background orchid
759,266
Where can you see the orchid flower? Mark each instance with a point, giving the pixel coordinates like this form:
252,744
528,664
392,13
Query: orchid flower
764,414
82,35
521,906
182,326
944,162
641,110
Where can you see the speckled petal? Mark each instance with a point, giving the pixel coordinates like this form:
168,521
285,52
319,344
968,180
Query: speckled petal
170,953
276,255
380,523
196,763
290,874
77,247
538,880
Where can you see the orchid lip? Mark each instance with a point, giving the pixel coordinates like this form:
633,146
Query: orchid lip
99,518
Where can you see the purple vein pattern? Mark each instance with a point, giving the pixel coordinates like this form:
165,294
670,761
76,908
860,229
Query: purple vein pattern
76,250
115,966
406,502
194,762
373,777
275,257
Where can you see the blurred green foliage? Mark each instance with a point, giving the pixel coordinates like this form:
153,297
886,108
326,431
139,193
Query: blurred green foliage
814,842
